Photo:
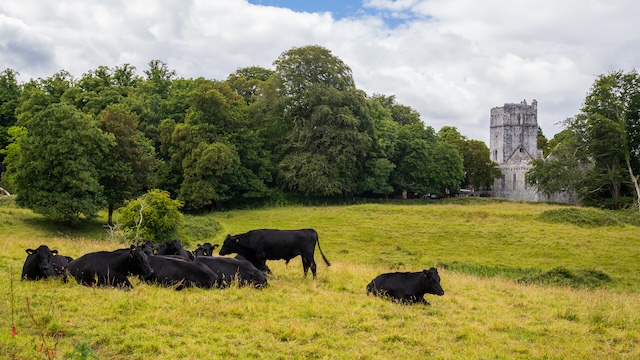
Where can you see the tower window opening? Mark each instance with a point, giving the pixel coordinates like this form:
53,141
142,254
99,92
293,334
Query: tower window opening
514,181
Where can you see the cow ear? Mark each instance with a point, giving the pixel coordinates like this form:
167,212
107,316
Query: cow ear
216,246
30,251
55,252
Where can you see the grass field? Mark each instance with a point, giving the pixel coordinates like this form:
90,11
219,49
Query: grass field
502,266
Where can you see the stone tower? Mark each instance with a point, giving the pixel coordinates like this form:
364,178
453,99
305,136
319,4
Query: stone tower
513,144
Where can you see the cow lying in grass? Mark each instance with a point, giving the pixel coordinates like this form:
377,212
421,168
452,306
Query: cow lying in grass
407,287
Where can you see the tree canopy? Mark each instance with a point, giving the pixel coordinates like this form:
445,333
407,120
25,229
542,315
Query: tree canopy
75,146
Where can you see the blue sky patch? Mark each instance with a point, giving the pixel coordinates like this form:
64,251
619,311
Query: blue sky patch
339,9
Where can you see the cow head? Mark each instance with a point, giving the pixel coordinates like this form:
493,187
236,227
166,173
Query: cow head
148,247
41,257
205,249
173,247
230,245
431,282
138,263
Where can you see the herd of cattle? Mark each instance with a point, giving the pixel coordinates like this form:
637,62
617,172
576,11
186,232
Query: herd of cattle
169,264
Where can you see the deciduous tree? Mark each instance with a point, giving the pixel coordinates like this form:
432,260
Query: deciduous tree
129,164
58,169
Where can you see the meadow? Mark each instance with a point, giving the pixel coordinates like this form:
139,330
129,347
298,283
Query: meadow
521,280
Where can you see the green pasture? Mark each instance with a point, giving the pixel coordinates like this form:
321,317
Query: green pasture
521,280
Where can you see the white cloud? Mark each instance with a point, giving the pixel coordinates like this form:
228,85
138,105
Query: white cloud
452,60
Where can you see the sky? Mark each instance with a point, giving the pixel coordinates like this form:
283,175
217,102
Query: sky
451,60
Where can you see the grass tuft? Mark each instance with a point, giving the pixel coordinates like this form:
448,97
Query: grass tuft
589,217
560,276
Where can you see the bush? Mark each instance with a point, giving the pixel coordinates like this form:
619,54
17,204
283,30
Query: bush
153,216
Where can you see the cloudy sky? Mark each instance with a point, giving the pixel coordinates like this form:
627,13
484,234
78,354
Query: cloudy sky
451,60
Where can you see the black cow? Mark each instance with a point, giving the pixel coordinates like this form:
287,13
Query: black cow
173,247
230,270
43,263
174,271
407,287
205,249
104,268
257,246
148,247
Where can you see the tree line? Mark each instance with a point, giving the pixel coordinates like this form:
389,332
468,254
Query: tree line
71,147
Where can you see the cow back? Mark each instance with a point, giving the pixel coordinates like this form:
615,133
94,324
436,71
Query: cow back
170,271
229,270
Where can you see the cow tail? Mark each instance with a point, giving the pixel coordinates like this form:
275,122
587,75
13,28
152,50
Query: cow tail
321,253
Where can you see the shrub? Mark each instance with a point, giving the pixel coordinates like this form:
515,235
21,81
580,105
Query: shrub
153,216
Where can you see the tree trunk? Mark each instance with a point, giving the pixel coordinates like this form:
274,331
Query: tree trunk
110,218
634,179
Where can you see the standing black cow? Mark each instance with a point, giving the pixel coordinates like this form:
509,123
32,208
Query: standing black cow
407,287
258,246
174,271
229,270
173,247
104,268
43,263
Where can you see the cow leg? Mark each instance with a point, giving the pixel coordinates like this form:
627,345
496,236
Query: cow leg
313,267
423,300
305,267
309,263
264,268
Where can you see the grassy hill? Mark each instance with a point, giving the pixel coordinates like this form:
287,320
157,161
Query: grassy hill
521,281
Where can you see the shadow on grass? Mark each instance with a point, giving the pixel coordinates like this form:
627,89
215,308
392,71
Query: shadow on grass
90,228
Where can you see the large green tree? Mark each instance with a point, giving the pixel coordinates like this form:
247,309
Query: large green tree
326,120
565,169
58,169
129,164
378,167
598,152
609,127
426,164
480,171
214,155
9,96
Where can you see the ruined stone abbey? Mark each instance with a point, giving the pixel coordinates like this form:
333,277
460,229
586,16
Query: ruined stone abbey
513,144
